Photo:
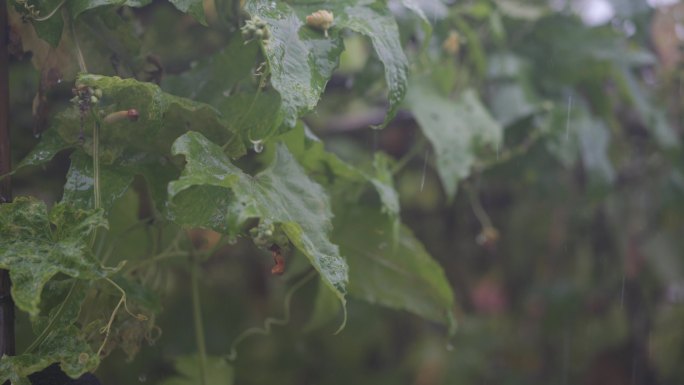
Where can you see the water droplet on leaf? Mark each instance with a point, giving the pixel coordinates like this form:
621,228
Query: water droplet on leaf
257,145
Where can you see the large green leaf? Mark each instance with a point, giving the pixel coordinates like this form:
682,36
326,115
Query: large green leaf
301,58
163,118
50,144
333,172
399,275
115,179
128,148
455,128
212,79
64,345
215,193
194,8
51,28
34,247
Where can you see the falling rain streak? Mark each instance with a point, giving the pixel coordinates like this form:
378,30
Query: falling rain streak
567,121
422,179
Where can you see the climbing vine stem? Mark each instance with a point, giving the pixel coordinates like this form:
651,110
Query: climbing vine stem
199,325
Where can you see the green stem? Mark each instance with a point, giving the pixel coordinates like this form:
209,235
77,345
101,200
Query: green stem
476,204
199,325
79,53
96,164
96,172
269,322
52,13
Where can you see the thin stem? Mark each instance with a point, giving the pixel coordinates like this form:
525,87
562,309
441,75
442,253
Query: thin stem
199,324
43,335
476,204
269,322
513,152
52,13
108,329
96,172
79,53
96,164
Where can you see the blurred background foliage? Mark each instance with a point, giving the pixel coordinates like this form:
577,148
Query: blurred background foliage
560,233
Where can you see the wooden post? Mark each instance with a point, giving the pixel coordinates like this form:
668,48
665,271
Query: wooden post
6,304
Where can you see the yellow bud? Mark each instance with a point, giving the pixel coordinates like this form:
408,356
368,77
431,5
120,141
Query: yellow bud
452,43
321,19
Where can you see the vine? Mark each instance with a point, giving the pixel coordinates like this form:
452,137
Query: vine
236,159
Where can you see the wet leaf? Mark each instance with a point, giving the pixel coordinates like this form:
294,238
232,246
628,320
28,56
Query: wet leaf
400,276
454,128
35,246
115,179
163,118
302,58
64,345
282,194
50,144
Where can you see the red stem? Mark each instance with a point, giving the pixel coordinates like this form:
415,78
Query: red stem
6,304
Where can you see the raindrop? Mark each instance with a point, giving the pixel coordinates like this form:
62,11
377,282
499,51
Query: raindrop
567,121
450,347
142,377
679,31
349,83
622,292
232,240
257,145
628,27
422,180
37,135
226,93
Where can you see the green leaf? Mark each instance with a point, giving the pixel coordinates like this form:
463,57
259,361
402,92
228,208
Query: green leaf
194,8
79,188
301,58
455,129
76,7
415,7
212,78
129,148
115,179
219,372
310,152
34,252
400,276
50,144
64,345
50,29
282,194
325,309
654,118
163,118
